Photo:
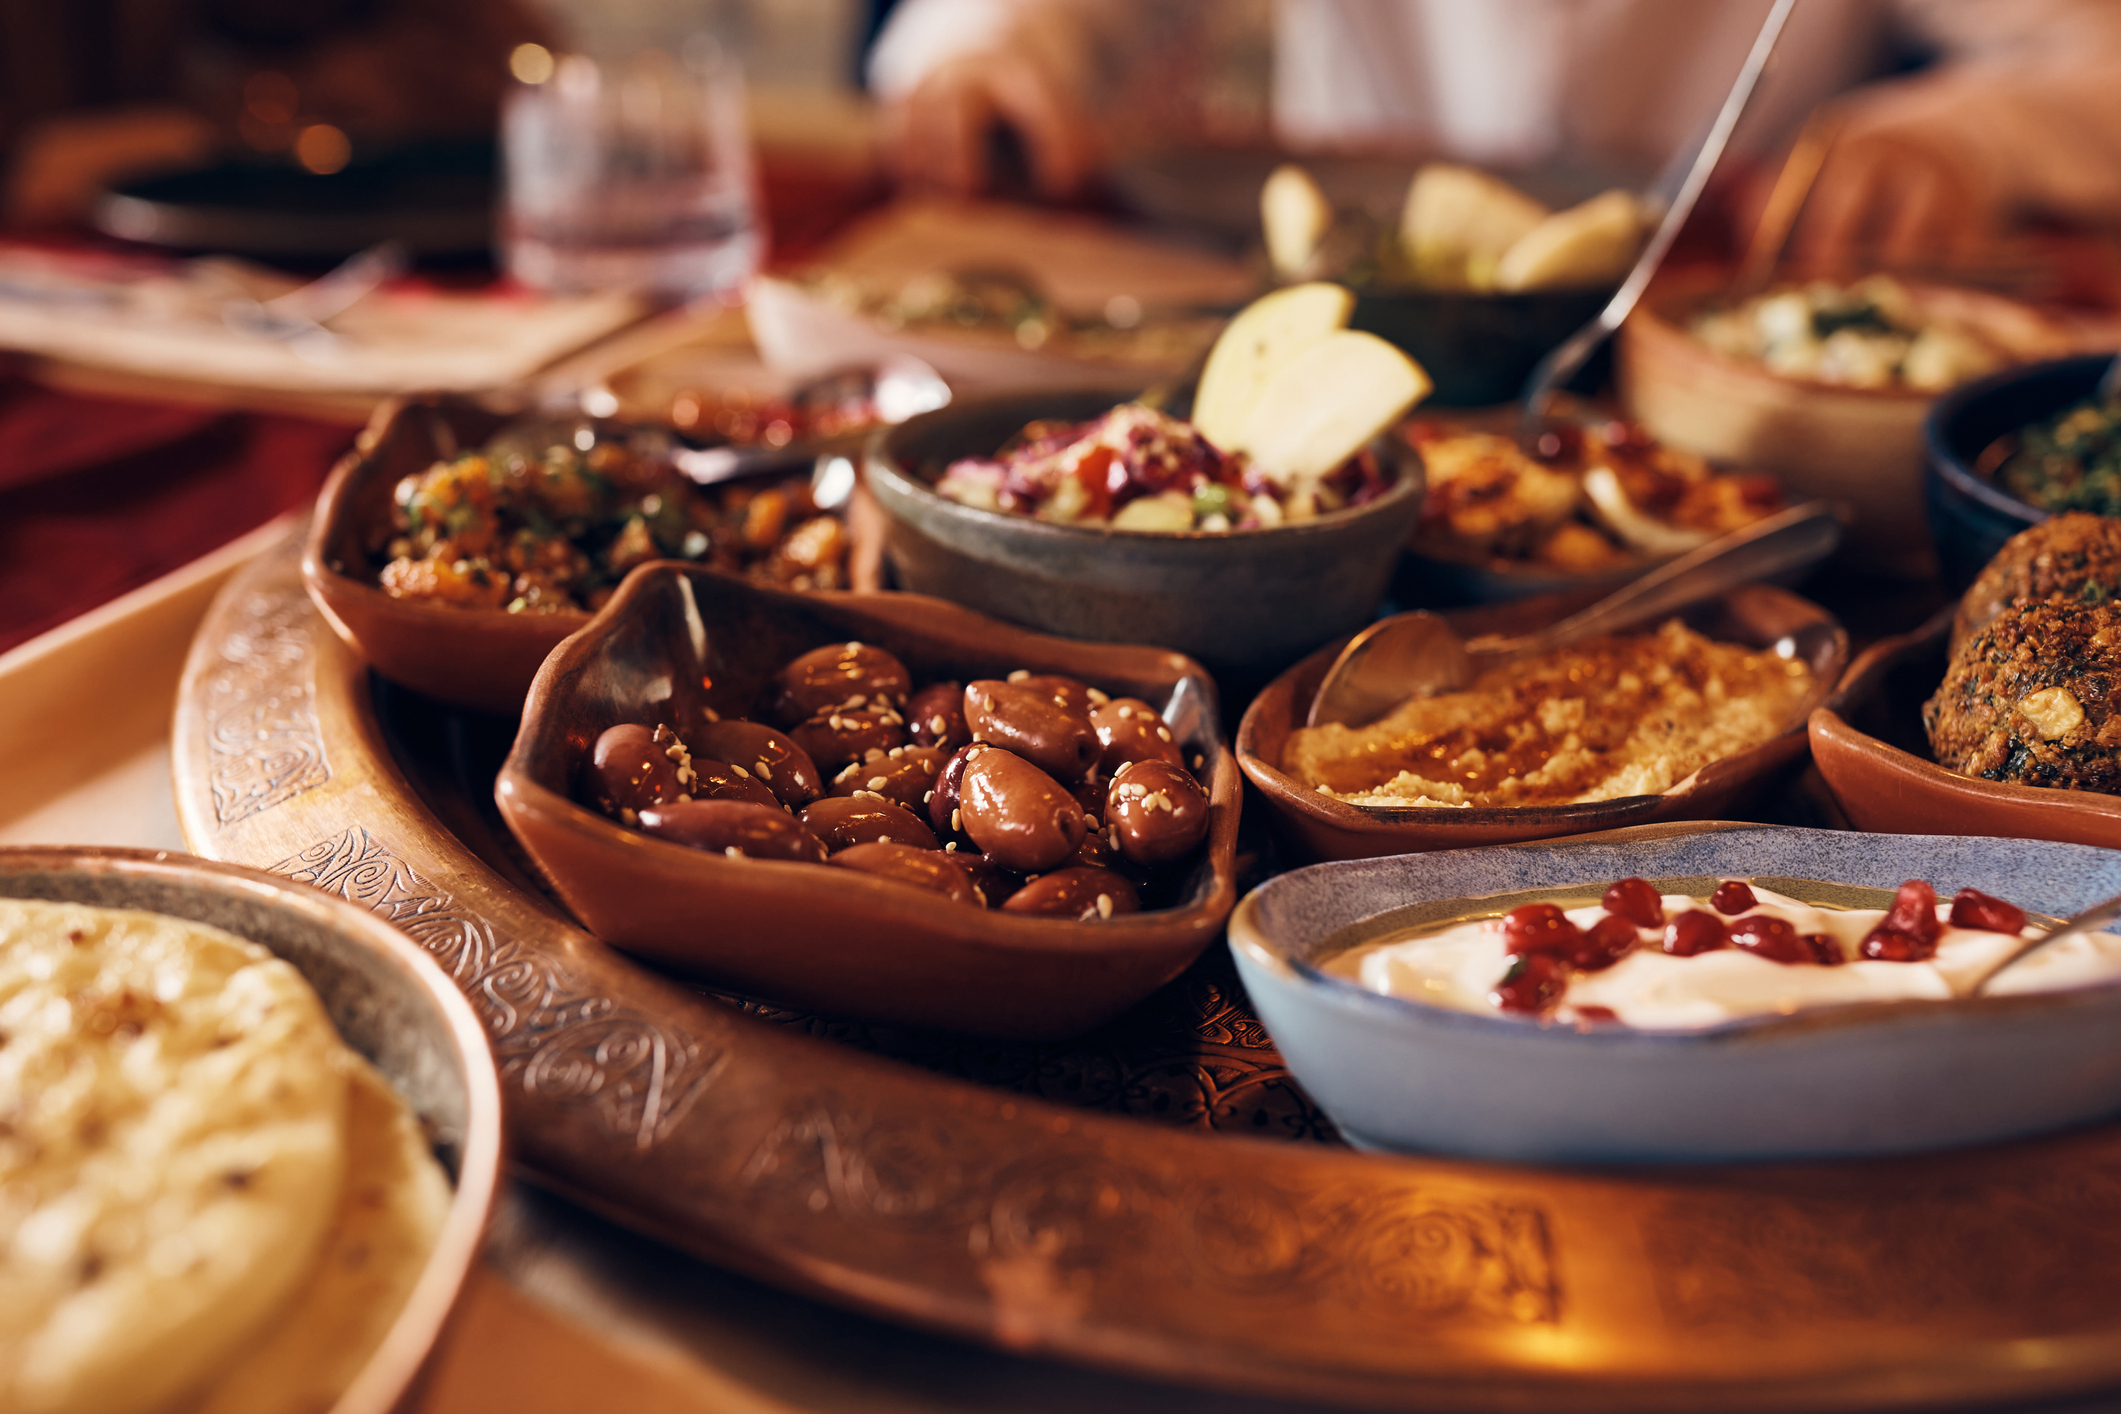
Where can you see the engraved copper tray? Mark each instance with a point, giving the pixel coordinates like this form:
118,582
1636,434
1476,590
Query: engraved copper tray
980,1207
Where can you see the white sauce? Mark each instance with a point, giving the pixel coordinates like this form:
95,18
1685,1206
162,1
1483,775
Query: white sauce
1654,991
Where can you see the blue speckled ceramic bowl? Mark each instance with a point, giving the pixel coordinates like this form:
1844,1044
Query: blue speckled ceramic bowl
1970,516
1396,1074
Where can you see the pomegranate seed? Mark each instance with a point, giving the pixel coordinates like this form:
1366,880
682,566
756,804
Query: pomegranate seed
1636,901
1973,909
1883,944
1694,932
1539,929
1914,912
1533,984
1596,1013
1732,898
1772,938
1825,951
1610,939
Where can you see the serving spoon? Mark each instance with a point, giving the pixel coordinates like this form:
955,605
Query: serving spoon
2097,916
1419,654
1679,188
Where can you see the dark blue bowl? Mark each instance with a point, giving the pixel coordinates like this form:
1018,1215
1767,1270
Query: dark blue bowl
1969,516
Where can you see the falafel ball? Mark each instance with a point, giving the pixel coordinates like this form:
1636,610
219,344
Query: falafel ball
2076,554
2034,698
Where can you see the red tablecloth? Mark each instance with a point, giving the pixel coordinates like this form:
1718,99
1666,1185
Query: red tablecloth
99,495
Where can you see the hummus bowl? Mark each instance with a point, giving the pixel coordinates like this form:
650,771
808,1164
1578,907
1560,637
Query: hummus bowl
1837,1082
1322,827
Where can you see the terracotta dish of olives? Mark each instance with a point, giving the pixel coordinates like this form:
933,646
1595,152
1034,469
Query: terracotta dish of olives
878,805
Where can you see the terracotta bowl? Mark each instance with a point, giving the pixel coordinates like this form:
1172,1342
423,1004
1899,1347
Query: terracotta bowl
1862,446
483,659
1871,751
390,1002
1244,602
812,936
1322,828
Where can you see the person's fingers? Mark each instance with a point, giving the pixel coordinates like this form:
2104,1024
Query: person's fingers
1056,132
1937,215
1839,217
937,133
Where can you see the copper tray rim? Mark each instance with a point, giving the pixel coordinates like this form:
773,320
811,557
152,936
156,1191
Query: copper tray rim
1485,1376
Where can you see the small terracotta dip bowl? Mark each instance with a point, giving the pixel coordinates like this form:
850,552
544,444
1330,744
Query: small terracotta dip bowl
1758,616
1871,751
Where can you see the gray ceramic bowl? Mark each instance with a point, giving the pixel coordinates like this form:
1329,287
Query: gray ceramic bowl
390,1002
1243,602
1396,1074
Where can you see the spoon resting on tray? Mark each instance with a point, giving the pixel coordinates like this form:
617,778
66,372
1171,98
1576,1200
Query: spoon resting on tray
1419,654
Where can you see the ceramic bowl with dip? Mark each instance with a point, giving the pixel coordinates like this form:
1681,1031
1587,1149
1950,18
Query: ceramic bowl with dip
1835,1081
390,1003
1758,617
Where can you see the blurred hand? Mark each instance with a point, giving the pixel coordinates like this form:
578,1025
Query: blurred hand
937,134
1895,190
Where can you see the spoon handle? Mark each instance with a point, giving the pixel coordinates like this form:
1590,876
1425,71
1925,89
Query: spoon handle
2097,916
1562,363
1791,539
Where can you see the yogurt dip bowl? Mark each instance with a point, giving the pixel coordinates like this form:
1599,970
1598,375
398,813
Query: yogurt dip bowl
1843,1081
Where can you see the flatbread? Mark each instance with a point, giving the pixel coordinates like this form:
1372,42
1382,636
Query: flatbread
172,1139
390,1211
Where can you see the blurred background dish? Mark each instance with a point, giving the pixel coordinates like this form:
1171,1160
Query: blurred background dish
1597,502
1833,441
391,1004
435,197
1241,601
1966,439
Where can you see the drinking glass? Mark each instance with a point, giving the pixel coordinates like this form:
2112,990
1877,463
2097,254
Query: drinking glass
630,176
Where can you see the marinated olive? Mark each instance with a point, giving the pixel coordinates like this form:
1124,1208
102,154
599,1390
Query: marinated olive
1017,814
767,754
834,676
1129,729
943,805
1078,892
1156,812
1090,793
717,780
1058,741
923,868
835,739
734,827
935,716
991,882
905,776
629,770
1064,692
843,820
